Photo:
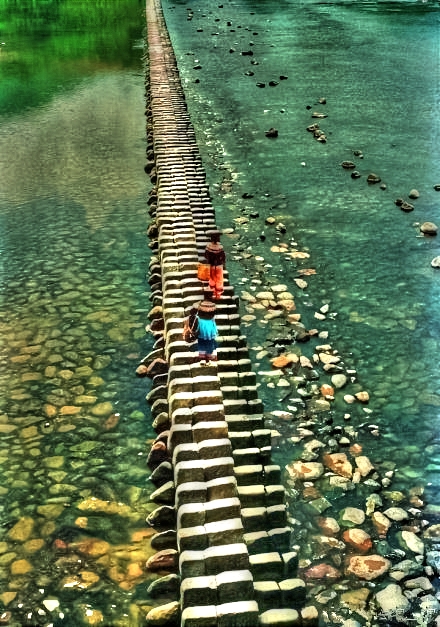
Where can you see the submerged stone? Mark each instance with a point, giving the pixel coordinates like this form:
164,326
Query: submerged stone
368,567
322,571
338,463
22,530
102,409
351,516
409,541
392,601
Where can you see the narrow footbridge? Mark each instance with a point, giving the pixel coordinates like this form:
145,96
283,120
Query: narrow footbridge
220,499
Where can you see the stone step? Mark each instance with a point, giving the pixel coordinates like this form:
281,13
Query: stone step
234,377
234,614
263,518
248,456
244,422
228,531
198,383
236,392
266,566
214,560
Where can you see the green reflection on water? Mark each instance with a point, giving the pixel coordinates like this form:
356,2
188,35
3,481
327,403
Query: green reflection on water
46,46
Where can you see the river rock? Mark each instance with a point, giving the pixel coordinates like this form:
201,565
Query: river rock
326,358
381,523
301,283
373,178
319,404
406,568
396,513
168,586
329,526
247,297
391,600
102,409
368,567
51,604
409,541
327,390
279,288
419,583
284,296
305,361
435,263
52,510
351,516
414,194
305,471
429,228
358,538
339,380
407,206
364,465
363,396
92,547
288,304
164,560
167,615
22,529
20,567
265,296
338,463
322,571
284,360
355,599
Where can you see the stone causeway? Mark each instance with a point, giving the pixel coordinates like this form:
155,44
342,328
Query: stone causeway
221,510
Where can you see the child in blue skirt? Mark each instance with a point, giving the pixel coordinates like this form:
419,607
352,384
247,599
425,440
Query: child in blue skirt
207,333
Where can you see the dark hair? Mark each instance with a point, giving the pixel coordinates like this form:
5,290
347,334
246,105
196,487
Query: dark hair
214,236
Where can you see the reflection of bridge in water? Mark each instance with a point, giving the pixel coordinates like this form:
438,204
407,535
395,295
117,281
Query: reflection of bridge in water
211,461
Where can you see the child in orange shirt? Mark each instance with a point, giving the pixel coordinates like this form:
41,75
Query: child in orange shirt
216,257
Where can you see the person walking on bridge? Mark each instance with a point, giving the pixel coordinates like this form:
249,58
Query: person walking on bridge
207,331
216,257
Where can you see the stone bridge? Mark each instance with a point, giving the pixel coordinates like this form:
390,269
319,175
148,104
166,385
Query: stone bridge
221,511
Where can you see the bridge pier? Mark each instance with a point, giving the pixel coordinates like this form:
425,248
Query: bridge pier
212,459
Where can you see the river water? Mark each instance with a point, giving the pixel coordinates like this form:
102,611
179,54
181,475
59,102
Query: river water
377,67
74,299
73,308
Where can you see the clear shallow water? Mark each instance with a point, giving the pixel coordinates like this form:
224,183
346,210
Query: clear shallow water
377,66
74,255
73,307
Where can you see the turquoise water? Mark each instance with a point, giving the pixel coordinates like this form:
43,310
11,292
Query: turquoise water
376,64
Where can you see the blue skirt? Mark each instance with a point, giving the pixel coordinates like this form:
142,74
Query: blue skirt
206,347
